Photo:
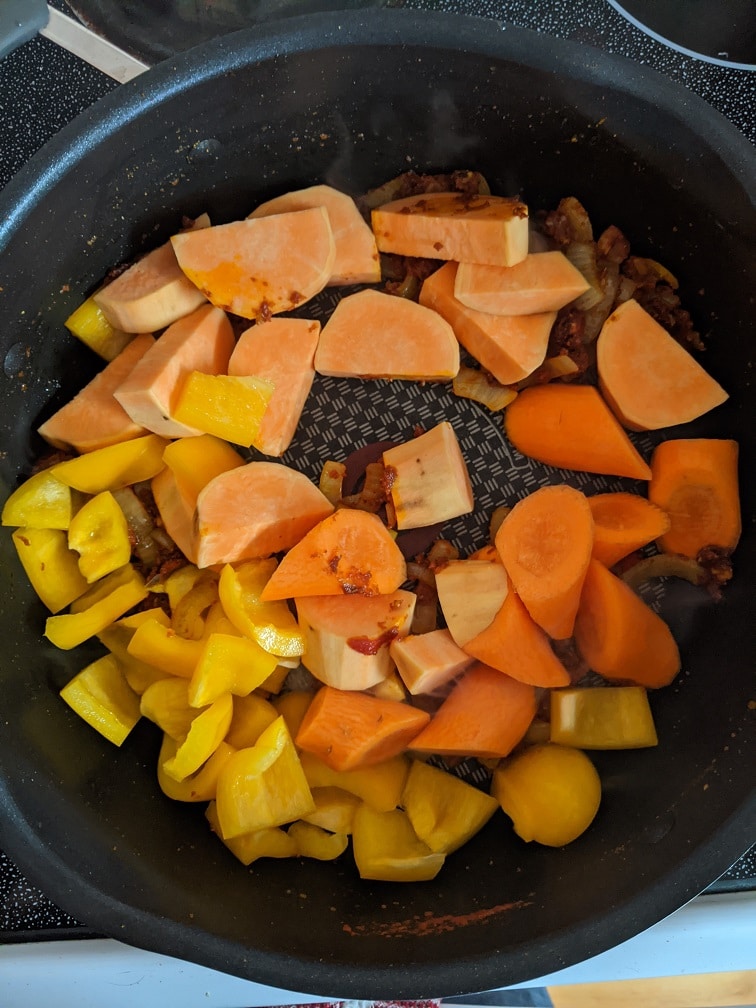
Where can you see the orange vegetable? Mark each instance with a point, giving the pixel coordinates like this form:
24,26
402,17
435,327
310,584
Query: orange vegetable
510,347
571,427
647,377
348,729
258,268
428,661
176,506
255,510
94,418
515,644
542,282
348,552
372,334
696,482
545,544
621,637
622,523
486,714
448,225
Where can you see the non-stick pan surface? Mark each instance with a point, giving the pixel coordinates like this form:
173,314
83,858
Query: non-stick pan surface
352,99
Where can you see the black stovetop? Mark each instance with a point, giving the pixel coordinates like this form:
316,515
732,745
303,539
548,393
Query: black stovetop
43,87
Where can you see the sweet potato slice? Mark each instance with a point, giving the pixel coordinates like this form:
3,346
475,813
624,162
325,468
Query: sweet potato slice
281,350
649,380
348,552
542,282
94,418
150,295
261,267
427,662
176,508
454,226
571,427
376,335
470,593
510,347
347,637
202,341
255,510
356,258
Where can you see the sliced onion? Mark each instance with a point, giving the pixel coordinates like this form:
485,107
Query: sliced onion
470,383
141,526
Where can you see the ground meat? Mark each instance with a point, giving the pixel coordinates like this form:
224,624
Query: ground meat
613,245
662,303
567,338
717,562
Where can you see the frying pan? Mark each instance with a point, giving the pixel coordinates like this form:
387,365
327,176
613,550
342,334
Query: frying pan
351,99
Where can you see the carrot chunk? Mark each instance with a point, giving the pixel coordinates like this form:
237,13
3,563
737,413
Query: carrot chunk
622,523
486,714
545,545
621,637
695,480
571,427
650,380
348,729
542,282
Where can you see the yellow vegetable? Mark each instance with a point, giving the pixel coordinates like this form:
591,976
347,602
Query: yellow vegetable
52,568
386,848
194,461
100,535
206,733
188,615
101,695
228,664
42,501
178,583
334,809
271,624
314,842
271,841
293,705
113,467
229,406
612,717
379,786
444,810
88,324
116,638
199,786
550,792
275,681
166,703
107,605
252,715
162,647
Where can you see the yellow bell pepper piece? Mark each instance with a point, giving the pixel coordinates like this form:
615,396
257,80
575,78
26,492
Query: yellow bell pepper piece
379,786
101,695
116,466
314,842
334,809
162,647
275,681
230,407
42,501
271,624
386,848
166,704
178,583
252,715
597,717
293,705
206,733
88,324
270,842
444,810
199,786
188,615
96,609
228,664
52,568
99,533
194,461
263,785
116,637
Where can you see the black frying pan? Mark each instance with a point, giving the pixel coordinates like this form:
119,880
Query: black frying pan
352,99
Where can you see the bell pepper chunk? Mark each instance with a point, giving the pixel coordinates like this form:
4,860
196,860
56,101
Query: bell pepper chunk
114,467
315,842
598,717
380,786
263,785
194,461
293,706
229,406
444,810
116,637
206,733
166,704
162,647
271,624
99,533
88,324
387,849
271,841
100,695
52,568
188,616
97,608
228,664
199,786
42,501
252,715
334,809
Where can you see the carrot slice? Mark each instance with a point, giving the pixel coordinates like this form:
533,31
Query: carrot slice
376,335
545,545
571,427
486,714
258,268
510,347
650,380
695,480
356,258
623,522
455,226
281,350
201,341
621,637
348,552
348,729
255,510
94,418
542,282
514,644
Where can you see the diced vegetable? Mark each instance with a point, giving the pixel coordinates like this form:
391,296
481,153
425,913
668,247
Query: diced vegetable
602,718
541,282
101,695
622,523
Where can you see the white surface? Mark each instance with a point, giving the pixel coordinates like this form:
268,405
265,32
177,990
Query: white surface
711,934
96,51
